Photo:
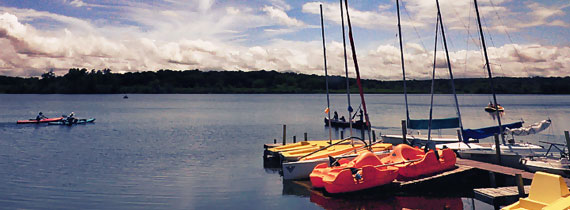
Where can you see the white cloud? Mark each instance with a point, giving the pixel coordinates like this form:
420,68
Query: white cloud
281,17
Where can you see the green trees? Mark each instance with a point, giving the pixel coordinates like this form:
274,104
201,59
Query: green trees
195,81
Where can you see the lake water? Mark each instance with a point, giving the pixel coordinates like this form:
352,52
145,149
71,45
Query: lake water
202,151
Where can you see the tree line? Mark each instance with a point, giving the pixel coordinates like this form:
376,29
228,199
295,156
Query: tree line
83,81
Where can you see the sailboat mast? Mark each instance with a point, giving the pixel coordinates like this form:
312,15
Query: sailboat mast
326,74
346,69
489,71
402,58
358,82
433,78
449,66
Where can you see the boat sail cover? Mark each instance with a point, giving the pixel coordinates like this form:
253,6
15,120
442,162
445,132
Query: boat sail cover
422,124
487,131
531,129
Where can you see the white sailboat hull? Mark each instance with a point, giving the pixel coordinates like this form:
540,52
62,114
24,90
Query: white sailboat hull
397,139
560,166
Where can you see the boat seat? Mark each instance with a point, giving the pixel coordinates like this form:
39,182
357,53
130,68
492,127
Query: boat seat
545,189
562,203
403,152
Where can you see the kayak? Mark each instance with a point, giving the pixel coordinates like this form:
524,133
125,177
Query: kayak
79,121
41,121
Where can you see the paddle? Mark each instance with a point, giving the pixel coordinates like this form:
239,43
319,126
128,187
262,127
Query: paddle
321,149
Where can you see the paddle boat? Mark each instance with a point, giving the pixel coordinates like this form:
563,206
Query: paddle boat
30,121
414,162
302,168
363,172
547,191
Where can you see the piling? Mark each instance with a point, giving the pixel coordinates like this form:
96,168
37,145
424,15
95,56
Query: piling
404,132
567,140
284,134
374,135
498,149
294,139
492,179
341,134
274,141
305,136
520,185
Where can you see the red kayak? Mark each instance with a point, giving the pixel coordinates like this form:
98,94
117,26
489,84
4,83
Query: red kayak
41,121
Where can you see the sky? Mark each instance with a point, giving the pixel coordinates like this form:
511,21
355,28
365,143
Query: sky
524,38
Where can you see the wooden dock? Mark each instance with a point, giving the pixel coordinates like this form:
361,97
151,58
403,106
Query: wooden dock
499,169
499,196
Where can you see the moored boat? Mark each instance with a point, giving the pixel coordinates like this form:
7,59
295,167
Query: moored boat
302,169
365,171
31,121
426,162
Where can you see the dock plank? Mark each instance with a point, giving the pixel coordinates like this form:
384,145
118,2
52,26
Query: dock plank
500,195
499,169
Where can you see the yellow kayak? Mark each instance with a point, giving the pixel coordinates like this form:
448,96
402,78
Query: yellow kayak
301,145
347,150
331,151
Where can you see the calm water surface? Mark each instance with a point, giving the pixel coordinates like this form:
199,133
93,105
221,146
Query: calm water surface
201,151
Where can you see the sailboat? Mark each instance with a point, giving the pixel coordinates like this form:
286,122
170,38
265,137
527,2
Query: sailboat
299,163
511,152
426,124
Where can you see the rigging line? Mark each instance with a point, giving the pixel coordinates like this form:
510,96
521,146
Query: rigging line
346,71
507,32
492,43
449,67
326,74
489,71
433,77
463,23
402,59
415,29
357,69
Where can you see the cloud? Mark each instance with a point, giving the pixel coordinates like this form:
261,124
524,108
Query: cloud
281,17
144,36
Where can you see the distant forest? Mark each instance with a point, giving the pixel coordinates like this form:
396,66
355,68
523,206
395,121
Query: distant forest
83,81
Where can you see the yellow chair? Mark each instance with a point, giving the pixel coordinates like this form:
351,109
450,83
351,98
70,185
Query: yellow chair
546,190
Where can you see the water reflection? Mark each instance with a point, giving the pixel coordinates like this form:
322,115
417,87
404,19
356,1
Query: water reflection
397,202
377,198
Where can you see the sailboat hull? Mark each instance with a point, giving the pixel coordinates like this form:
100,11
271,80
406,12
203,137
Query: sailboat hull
397,139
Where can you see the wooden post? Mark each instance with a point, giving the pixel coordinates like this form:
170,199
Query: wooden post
305,136
404,132
275,141
567,140
341,134
294,139
520,185
374,135
459,136
284,134
498,149
492,180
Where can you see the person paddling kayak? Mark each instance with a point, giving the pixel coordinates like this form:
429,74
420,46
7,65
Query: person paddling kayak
40,116
71,119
